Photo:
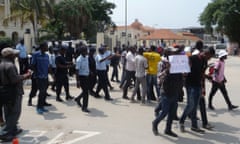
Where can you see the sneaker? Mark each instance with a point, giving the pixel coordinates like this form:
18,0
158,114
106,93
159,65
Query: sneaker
197,130
182,127
208,127
44,110
39,111
170,133
154,129
232,107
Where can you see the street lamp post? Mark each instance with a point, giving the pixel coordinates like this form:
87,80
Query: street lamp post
126,22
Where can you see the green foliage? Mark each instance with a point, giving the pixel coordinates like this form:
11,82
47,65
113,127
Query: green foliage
82,15
5,41
224,16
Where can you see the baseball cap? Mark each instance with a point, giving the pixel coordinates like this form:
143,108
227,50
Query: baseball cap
222,53
9,51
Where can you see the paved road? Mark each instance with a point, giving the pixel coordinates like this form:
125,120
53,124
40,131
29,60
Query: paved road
122,122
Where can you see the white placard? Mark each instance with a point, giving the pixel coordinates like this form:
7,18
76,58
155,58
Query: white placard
179,64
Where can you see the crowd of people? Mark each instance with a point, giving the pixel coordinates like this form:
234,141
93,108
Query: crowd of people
146,70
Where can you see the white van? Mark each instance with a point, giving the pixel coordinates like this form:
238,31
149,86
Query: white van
218,47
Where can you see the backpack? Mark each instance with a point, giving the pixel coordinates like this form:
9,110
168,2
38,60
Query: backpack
211,69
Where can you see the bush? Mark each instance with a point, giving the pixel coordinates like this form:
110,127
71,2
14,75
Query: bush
5,42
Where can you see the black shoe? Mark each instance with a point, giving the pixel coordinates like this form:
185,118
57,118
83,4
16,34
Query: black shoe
208,127
125,97
108,99
47,104
118,81
97,96
53,89
59,100
86,110
111,88
17,132
69,97
232,107
112,80
154,129
7,137
30,103
170,133
211,107
48,94
176,118
77,100
197,130
92,93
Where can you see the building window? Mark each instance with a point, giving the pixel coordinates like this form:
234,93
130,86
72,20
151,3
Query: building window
129,35
123,34
1,2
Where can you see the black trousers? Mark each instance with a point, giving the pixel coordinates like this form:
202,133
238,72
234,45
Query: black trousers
85,87
102,83
42,84
23,65
130,75
202,106
62,80
92,81
215,87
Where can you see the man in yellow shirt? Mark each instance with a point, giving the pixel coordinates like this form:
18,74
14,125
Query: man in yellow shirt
153,58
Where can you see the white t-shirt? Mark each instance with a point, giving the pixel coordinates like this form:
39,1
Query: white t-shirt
130,62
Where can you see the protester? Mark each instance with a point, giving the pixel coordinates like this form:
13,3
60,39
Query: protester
219,80
62,74
82,76
115,64
194,81
130,72
141,66
153,58
11,100
40,66
101,67
22,57
169,96
93,71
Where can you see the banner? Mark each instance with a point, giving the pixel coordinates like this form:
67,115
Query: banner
179,64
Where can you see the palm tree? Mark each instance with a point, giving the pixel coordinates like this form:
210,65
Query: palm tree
33,11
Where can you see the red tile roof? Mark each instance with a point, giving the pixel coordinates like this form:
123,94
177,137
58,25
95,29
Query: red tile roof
189,36
164,34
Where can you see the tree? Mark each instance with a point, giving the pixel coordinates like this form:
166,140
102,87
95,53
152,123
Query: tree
33,11
224,16
82,15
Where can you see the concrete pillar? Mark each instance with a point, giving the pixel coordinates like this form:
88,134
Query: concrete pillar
28,41
100,39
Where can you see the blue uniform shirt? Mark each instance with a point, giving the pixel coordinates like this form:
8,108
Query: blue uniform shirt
100,65
40,62
82,66
23,51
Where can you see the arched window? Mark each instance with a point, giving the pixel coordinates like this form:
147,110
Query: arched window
15,37
2,34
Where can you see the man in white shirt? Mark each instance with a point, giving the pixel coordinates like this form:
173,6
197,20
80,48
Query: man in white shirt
130,71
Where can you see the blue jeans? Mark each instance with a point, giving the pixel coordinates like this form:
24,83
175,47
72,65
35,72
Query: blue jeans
152,81
193,96
169,105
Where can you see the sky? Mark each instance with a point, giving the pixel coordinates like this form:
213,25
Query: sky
160,13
